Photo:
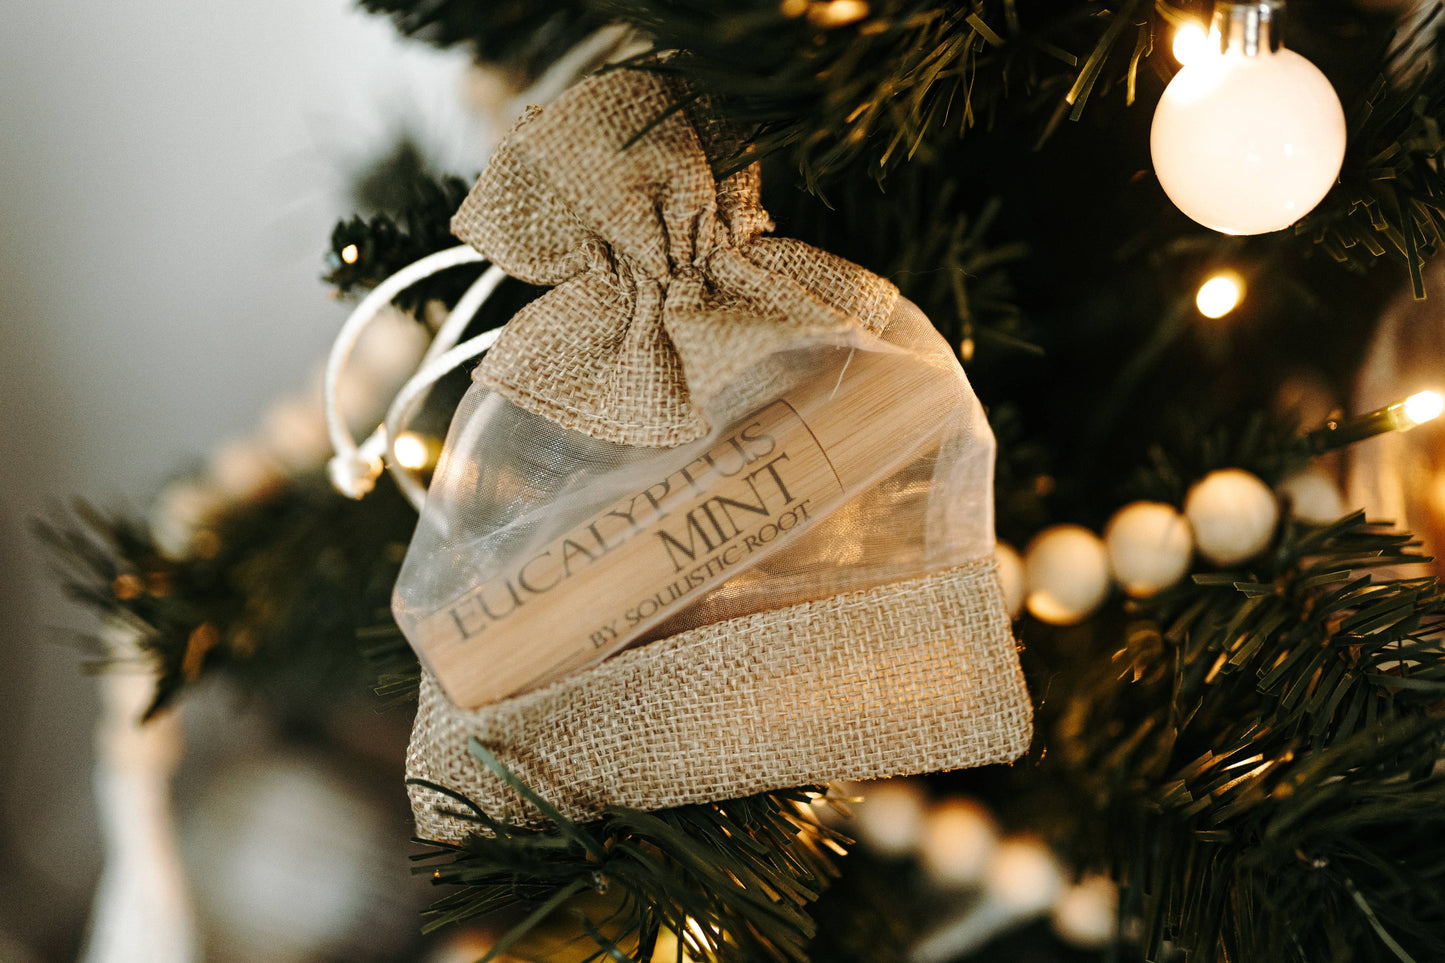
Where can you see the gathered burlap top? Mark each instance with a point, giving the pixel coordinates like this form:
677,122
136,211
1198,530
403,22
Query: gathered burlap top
664,286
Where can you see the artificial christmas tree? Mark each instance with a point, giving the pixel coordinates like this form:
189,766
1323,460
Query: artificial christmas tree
1242,738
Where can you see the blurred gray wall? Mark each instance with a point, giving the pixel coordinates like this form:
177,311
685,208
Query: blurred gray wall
169,174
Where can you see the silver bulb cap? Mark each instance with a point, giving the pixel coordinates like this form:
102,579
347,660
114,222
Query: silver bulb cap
1247,27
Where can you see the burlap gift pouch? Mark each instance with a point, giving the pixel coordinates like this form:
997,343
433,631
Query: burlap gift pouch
715,516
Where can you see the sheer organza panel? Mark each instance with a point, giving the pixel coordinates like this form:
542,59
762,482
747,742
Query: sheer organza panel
839,464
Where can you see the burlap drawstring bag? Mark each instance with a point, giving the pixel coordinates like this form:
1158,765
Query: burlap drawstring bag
747,464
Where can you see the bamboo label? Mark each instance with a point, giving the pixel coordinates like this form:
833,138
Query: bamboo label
582,596
640,560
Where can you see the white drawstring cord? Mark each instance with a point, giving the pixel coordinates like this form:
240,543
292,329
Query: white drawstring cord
413,394
354,470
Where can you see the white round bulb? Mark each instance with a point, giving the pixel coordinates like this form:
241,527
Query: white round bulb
1024,877
1248,145
1086,914
1150,547
890,816
1314,497
1067,571
1233,515
957,842
1010,577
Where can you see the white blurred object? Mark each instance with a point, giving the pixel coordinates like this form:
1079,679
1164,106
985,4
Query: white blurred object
1150,547
890,816
1067,571
183,509
294,432
1024,876
1010,577
1023,882
957,842
142,911
293,863
465,947
1086,914
1313,496
242,470
1399,476
1233,514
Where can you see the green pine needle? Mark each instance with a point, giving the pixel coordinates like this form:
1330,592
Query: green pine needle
730,880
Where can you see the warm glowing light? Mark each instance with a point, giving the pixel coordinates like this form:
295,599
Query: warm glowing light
410,451
1219,295
836,13
1191,43
1248,145
351,254
1424,406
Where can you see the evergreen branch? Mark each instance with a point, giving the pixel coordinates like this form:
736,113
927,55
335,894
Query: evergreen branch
413,211
1274,734
275,600
1265,446
730,880
903,82
1390,199
519,34
929,236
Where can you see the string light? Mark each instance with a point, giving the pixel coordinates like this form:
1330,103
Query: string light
1220,294
351,254
1423,406
411,451
1191,43
1416,410
1249,136
836,13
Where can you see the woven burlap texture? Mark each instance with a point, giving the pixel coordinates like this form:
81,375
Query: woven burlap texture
663,287
909,677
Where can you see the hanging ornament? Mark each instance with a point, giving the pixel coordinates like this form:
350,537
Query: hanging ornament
1150,546
1248,137
736,493
1233,514
1067,570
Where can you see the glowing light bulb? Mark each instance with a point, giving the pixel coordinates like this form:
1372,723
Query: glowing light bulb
836,13
1423,406
411,451
351,254
1219,295
1247,141
1191,43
